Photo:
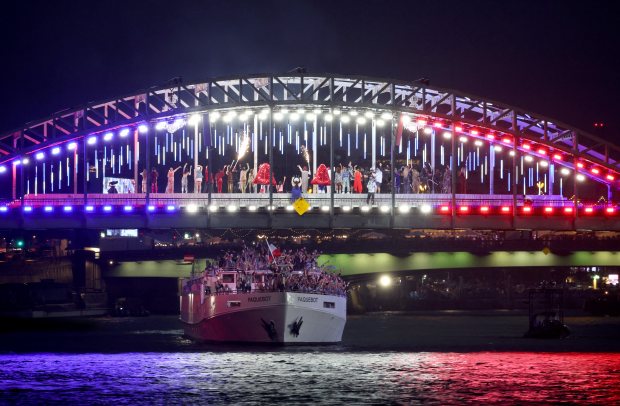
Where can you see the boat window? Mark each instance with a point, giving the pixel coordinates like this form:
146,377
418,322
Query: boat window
228,278
234,303
329,305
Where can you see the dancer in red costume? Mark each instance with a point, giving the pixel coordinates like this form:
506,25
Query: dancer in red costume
262,176
321,178
357,180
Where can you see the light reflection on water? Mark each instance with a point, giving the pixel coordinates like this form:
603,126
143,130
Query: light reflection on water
310,375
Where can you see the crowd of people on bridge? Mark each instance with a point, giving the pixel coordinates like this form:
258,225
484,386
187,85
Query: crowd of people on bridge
270,270
412,177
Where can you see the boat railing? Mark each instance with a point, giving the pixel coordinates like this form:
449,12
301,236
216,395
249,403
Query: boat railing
228,291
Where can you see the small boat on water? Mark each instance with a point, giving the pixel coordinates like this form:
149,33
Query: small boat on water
546,313
258,297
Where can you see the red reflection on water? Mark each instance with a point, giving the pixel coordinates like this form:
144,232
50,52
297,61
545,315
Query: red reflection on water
516,377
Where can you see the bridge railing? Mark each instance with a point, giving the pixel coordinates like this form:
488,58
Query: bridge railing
284,200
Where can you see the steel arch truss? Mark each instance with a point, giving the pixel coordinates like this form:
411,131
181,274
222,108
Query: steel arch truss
178,98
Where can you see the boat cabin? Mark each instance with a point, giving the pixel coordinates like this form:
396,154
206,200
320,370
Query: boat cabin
236,282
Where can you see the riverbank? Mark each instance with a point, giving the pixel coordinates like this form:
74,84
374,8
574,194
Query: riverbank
437,331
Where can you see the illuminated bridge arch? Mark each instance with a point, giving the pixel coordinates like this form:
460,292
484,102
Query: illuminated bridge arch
513,161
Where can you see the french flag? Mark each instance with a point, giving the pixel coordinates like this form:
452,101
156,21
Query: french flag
275,251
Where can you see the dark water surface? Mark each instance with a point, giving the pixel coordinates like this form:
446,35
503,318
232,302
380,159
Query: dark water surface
384,359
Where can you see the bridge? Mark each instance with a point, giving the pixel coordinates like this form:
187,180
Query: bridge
358,265
449,160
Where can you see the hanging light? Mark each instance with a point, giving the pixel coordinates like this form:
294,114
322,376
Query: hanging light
194,119
214,116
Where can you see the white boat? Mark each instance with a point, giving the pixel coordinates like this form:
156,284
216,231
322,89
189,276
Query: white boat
220,308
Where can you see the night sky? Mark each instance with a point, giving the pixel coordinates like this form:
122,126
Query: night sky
555,58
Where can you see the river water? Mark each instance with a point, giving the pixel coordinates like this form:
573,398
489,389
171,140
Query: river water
113,369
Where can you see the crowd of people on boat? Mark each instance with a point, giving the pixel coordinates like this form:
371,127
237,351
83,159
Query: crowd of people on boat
268,270
412,177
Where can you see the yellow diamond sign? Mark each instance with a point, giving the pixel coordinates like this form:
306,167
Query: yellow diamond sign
301,206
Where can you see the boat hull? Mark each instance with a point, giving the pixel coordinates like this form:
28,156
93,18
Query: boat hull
273,317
